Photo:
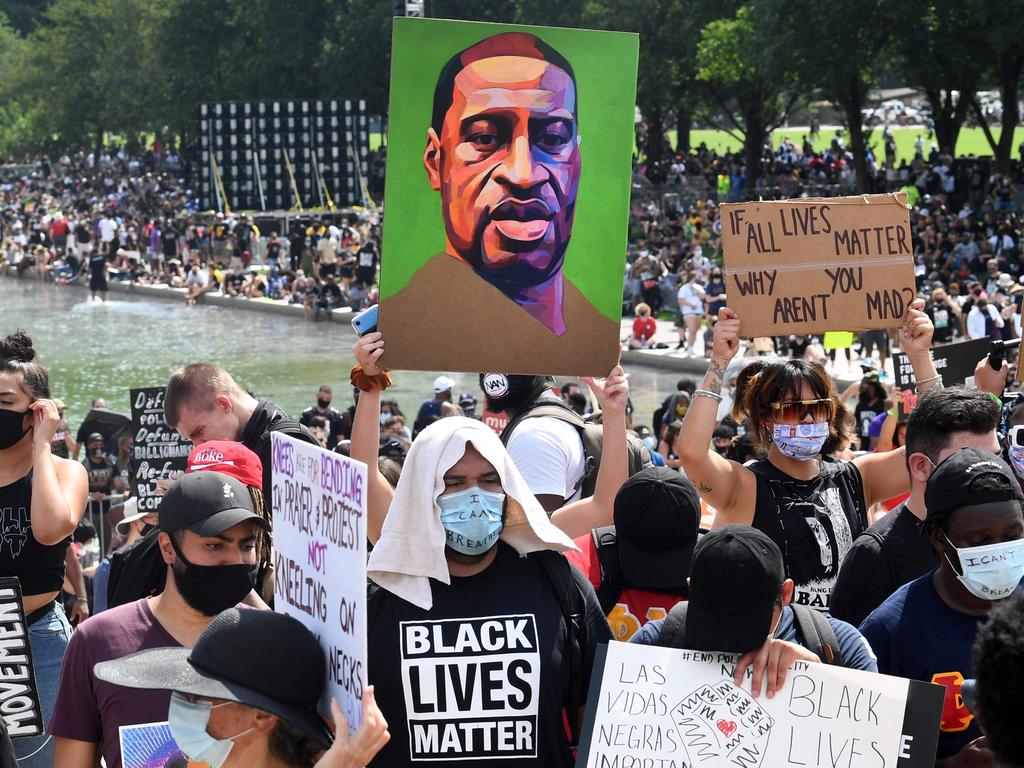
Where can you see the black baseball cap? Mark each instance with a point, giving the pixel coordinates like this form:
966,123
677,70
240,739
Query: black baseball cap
207,503
735,581
262,659
657,514
949,488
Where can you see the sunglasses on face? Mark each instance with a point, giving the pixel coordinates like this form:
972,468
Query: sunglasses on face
793,411
1015,437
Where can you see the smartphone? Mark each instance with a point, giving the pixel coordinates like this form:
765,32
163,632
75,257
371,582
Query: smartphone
366,321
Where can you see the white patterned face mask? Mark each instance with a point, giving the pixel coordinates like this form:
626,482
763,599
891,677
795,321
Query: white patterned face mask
992,571
800,441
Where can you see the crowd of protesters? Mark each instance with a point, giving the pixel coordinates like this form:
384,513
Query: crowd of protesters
92,220
899,538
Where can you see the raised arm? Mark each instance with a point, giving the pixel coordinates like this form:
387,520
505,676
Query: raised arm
720,482
578,518
365,446
59,488
885,474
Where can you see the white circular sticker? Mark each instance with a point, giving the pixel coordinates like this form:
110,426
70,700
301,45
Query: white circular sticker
496,384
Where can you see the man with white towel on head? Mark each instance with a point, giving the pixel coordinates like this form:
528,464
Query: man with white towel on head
481,637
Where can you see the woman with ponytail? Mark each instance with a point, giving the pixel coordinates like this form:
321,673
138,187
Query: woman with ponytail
811,505
42,498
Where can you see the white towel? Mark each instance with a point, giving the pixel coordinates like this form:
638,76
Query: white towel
410,550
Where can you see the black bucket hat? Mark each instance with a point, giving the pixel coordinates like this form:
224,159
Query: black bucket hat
262,659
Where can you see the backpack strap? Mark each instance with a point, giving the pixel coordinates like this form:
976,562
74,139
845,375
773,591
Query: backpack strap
612,580
590,436
570,599
885,553
817,634
673,631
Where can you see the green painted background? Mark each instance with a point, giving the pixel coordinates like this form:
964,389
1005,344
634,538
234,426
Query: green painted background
605,67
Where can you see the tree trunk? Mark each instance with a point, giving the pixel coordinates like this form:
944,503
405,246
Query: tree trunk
684,121
753,141
655,134
99,144
1010,74
851,104
948,119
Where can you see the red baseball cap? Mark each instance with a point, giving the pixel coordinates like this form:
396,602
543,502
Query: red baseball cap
229,458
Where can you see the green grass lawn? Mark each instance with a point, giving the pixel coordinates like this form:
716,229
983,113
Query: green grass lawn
971,141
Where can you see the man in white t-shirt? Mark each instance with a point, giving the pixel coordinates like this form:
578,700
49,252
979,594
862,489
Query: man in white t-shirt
108,229
547,450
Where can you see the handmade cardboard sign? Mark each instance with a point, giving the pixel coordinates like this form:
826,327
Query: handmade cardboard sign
818,264
509,166
652,706
159,451
954,362
19,696
319,514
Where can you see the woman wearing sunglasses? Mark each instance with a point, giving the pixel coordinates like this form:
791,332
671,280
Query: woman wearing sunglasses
811,505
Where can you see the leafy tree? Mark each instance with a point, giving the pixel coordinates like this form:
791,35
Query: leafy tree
840,57
942,47
752,94
1003,23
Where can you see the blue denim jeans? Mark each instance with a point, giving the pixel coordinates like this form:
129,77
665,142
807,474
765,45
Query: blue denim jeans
48,638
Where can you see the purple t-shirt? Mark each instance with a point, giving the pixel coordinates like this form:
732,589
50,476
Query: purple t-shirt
91,710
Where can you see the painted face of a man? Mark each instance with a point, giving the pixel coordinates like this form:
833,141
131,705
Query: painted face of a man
507,164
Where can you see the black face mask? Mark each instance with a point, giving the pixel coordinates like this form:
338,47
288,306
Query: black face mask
211,589
324,404
146,529
12,427
96,452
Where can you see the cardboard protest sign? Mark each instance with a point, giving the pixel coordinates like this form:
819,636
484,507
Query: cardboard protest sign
509,167
159,451
319,515
954,362
818,264
652,706
19,695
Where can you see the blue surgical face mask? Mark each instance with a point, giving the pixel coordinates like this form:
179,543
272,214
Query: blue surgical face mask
385,417
188,721
800,441
472,519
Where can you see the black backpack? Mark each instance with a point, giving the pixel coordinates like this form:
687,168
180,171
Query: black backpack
591,435
613,581
812,627
574,613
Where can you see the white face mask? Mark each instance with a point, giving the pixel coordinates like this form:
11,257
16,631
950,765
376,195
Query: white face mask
992,571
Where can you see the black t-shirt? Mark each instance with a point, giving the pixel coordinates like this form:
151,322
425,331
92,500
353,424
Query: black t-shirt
101,474
169,238
331,292
943,321
886,556
814,522
865,413
333,422
97,266
482,675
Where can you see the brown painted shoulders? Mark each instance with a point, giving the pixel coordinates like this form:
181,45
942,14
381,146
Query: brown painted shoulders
448,318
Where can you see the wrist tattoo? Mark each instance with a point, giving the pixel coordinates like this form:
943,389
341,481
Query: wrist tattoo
715,375
703,487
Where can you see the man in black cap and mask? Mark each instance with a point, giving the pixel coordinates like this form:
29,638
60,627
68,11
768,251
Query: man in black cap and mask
639,565
208,538
741,602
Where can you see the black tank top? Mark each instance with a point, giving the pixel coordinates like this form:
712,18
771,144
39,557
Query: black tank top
40,568
814,522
